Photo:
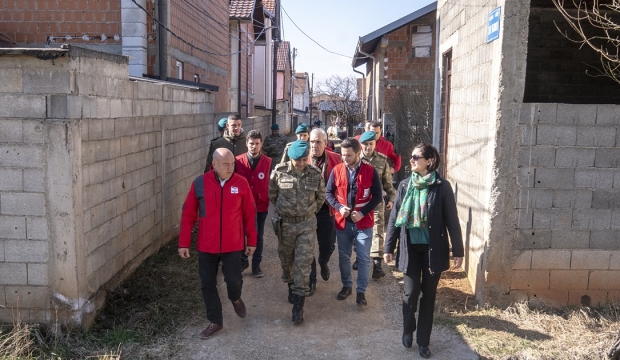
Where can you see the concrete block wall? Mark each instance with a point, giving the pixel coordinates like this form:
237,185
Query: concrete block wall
569,201
471,139
97,170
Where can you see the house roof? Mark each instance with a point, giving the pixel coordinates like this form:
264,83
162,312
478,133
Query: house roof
241,9
270,5
283,55
369,42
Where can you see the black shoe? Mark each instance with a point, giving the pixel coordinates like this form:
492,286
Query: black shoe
407,340
312,289
425,352
344,293
324,271
244,264
354,265
291,296
361,299
377,271
256,271
298,308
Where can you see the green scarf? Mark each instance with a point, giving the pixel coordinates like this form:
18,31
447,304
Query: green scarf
413,211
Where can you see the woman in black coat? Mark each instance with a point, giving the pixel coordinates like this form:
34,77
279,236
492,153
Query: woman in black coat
423,216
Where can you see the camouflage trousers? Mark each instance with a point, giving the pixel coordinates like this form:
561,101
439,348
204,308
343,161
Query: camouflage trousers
296,251
378,230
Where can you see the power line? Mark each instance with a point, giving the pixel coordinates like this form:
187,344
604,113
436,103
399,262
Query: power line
192,45
323,47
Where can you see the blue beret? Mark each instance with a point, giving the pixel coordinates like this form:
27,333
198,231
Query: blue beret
302,128
368,136
298,149
221,125
275,127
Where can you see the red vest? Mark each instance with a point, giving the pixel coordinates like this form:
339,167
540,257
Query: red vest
365,176
258,178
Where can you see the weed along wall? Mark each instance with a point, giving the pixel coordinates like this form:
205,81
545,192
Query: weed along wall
94,168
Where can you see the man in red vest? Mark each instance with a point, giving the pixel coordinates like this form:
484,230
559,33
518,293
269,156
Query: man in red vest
325,160
255,168
223,204
354,190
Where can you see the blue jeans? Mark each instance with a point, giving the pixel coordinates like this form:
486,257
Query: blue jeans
257,257
363,241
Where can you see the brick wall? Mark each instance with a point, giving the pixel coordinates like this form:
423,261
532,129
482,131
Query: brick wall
568,204
556,66
94,172
31,22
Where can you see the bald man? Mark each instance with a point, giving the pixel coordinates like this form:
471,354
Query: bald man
224,206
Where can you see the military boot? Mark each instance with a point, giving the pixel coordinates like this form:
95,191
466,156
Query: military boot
290,294
298,308
377,271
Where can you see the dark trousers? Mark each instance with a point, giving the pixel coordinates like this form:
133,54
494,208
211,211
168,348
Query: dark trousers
207,268
326,237
260,227
419,279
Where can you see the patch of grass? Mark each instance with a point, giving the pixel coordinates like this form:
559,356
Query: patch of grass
522,331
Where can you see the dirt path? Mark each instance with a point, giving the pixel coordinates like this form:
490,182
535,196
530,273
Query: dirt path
331,329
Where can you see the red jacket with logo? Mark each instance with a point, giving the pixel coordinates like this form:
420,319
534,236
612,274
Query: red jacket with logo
258,178
387,148
225,214
365,176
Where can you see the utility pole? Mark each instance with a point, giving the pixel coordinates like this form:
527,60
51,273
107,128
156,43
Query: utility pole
311,94
276,42
292,92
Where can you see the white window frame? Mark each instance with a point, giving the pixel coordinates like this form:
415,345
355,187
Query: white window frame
421,40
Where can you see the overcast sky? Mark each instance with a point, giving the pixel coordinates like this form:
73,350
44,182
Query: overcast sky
337,25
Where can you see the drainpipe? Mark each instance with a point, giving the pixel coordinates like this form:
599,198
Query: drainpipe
372,82
160,40
239,70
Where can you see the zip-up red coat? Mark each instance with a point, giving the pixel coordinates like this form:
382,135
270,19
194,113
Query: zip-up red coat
224,213
364,184
258,178
387,148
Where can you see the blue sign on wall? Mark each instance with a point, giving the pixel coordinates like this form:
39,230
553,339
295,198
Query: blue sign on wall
493,27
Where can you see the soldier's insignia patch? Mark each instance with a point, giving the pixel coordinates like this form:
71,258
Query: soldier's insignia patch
234,190
261,175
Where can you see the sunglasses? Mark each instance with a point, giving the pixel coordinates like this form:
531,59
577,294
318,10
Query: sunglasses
416,157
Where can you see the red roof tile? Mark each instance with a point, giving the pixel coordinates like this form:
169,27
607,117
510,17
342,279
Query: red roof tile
241,8
283,55
270,5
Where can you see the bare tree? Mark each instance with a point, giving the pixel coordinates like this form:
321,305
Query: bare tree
596,27
342,92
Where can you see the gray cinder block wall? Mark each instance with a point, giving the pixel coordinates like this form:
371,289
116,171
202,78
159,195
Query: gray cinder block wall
94,169
537,185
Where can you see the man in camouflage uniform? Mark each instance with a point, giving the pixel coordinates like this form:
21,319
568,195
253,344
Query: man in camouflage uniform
274,144
380,163
297,191
302,133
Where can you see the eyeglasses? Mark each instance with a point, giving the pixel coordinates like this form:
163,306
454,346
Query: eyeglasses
416,157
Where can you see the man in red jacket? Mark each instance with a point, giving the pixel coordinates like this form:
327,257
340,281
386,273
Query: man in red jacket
354,190
325,160
223,204
255,168
383,146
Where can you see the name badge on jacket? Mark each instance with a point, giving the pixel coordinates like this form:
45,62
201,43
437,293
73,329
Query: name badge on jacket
366,193
234,190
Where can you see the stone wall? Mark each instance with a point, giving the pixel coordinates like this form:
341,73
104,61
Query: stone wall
93,173
567,247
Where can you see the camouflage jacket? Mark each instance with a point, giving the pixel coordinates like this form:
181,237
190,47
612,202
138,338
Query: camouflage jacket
380,163
274,146
296,195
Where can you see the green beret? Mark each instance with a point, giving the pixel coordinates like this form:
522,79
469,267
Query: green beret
368,136
298,149
275,127
221,125
302,128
